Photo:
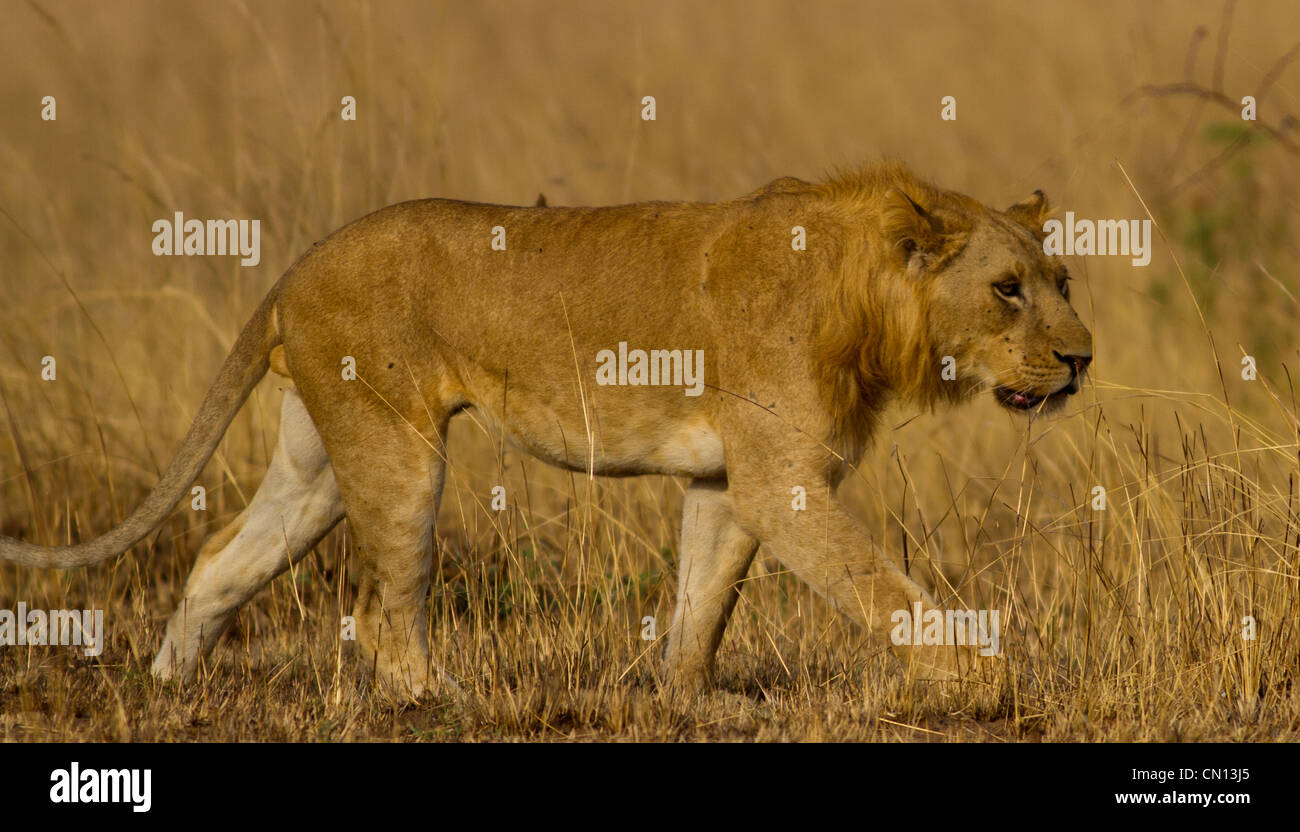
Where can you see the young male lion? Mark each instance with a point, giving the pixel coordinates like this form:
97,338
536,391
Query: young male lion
516,312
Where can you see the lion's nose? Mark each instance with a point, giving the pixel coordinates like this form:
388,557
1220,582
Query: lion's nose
1078,363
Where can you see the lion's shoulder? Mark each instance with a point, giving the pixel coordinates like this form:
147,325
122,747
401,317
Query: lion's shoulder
781,185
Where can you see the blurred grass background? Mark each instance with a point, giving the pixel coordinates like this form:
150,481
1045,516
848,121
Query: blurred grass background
1123,624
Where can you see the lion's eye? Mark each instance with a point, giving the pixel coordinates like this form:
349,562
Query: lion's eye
1064,287
1009,288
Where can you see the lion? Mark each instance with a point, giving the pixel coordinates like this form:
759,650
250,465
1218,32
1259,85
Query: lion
898,291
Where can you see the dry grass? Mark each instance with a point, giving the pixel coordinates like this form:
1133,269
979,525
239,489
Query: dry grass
1122,624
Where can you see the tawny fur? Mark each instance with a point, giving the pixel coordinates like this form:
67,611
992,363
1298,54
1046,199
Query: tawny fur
803,349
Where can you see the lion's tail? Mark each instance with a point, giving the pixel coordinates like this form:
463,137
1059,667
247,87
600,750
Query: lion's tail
240,373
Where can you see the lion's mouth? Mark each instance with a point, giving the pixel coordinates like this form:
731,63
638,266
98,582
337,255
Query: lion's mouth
1025,400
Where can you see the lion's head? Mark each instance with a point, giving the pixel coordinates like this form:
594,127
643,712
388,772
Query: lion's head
938,298
1001,308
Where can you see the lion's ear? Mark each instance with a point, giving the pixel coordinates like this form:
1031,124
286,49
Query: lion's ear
1031,212
916,235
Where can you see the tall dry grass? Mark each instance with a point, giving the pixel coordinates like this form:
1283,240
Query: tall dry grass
1117,624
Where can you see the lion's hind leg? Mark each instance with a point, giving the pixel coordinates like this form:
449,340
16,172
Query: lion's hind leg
296,505
715,556
391,477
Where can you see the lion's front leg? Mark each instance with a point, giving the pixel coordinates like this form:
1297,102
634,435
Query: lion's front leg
817,540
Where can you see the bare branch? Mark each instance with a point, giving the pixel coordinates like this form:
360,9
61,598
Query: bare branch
1221,54
1279,133
1274,71
1193,46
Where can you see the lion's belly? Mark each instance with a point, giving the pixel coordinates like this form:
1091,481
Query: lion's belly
689,448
